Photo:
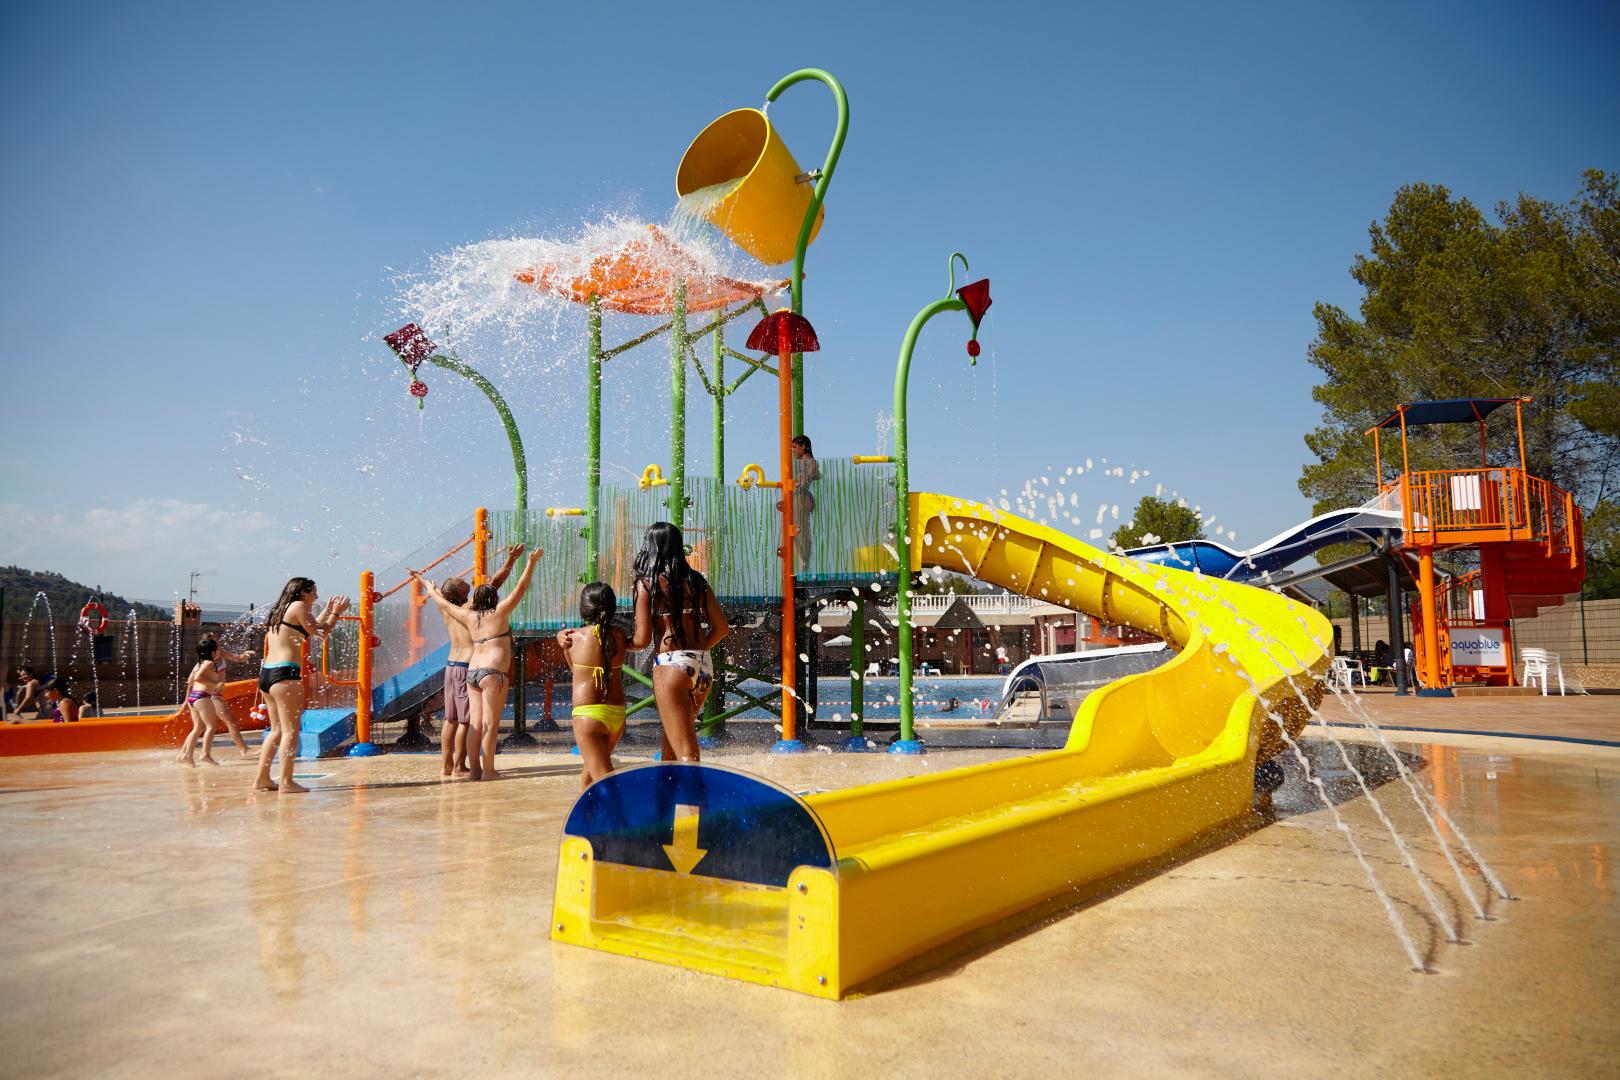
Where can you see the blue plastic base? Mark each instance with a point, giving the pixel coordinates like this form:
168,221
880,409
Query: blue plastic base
1437,691
907,746
365,749
855,744
790,746
322,732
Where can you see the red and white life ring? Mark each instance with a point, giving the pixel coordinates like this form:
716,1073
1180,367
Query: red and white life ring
84,617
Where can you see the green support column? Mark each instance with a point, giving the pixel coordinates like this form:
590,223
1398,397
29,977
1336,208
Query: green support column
719,413
823,178
857,667
677,419
902,482
593,440
714,724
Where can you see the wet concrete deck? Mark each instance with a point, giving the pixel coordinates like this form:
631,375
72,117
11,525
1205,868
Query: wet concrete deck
165,921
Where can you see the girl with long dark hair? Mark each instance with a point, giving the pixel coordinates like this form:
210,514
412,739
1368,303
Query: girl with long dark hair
596,653
290,624
676,608
488,615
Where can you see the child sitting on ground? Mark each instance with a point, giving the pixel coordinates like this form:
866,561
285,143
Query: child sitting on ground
596,653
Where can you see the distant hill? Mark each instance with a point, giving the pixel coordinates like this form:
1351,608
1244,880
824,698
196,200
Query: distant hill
66,597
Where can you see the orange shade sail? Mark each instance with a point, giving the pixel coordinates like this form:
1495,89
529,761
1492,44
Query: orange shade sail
639,279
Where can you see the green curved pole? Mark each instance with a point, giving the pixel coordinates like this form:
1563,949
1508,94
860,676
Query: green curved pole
820,193
902,484
520,464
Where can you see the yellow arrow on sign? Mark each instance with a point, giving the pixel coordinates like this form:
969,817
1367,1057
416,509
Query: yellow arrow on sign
683,852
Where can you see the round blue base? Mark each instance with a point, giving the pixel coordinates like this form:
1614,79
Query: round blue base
1437,691
790,746
365,749
907,746
855,744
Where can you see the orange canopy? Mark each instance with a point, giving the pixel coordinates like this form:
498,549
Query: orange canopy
639,279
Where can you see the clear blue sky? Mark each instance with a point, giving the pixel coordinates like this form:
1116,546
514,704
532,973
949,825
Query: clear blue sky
203,208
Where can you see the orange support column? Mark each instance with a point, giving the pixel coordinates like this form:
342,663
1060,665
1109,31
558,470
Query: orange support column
480,546
414,624
790,647
367,642
1431,628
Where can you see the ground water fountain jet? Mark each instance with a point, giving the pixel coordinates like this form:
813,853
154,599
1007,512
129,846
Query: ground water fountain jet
132,649
50,624
1421,797
1428,805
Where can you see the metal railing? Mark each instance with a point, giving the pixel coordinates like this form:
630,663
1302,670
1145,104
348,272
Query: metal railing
1472,505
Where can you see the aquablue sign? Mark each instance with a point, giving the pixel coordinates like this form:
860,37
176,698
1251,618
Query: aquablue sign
1478,647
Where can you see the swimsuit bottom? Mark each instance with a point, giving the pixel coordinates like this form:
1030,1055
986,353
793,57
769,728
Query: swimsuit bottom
609,716
695,662
477,675
197,695
457,709
270,674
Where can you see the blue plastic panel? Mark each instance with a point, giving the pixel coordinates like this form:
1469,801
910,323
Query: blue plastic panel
748,828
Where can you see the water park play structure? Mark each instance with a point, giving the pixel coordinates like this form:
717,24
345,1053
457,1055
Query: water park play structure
712,869
1523,533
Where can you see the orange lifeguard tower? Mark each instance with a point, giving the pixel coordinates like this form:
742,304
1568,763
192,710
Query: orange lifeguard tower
1526,530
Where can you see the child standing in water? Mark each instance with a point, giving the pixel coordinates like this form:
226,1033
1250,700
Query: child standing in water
676,608
489,617
457,705
290,625
596,653
206,703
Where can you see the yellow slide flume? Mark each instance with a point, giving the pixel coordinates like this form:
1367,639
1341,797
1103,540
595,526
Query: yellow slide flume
1153,761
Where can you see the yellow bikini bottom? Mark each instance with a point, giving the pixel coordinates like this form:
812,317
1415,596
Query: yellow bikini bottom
609,716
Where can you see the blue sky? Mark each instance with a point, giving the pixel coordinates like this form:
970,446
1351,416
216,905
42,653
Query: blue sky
205,207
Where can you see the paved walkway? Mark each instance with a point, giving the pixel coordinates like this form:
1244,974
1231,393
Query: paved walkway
1593,717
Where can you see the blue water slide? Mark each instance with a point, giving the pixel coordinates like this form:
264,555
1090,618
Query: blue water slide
1355,525
323,731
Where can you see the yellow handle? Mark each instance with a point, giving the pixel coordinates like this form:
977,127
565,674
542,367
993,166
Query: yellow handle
872,459
653,476
564,511
753,476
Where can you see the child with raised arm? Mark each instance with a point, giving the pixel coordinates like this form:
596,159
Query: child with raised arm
205,700
596,653
488,616
292,622
457,706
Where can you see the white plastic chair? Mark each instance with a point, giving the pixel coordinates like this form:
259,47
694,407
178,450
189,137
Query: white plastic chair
1538,664
1346,670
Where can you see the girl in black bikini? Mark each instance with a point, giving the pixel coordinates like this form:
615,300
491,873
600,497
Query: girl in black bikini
288,627
488,617
673,603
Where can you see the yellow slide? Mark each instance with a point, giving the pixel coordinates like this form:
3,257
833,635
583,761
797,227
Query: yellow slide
710,869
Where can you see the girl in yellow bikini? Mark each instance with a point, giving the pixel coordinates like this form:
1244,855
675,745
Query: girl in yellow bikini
596,653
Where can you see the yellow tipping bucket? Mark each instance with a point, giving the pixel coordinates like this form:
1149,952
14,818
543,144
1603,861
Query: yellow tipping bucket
764,211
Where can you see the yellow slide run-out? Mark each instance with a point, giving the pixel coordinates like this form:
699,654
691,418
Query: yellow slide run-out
713,870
